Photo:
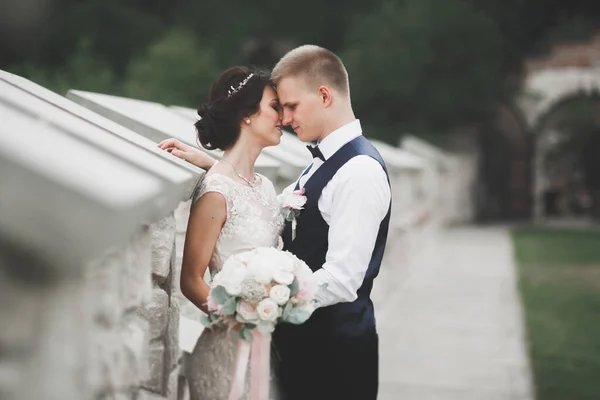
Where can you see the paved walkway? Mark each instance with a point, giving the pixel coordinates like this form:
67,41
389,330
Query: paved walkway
451,324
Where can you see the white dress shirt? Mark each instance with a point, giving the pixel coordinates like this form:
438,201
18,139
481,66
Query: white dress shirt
353,204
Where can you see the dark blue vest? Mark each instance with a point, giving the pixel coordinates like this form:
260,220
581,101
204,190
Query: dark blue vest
311,244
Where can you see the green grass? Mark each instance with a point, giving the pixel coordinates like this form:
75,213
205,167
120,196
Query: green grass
559,281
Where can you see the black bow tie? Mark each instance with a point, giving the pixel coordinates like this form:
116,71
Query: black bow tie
316,152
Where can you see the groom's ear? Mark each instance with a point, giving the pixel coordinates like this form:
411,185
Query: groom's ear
325,95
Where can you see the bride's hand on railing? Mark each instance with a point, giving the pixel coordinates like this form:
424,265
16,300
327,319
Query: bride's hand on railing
188,153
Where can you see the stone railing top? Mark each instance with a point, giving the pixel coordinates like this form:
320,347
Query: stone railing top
154,121
63,199
72,182
292,164
178,179
68,106
425,150
398,159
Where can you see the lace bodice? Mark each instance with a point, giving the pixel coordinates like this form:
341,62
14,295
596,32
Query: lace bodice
253,216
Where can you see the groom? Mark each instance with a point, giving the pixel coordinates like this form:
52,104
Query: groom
340,234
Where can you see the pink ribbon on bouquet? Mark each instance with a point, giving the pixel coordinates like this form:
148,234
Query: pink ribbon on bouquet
259,352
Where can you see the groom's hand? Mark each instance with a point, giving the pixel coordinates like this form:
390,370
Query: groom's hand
188,153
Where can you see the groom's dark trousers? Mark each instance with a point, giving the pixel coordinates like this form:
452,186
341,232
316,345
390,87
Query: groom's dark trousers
334,355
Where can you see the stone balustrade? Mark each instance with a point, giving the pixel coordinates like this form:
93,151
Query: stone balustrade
156,122
87,253
437,182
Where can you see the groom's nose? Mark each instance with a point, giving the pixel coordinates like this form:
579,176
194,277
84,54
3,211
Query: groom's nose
287,117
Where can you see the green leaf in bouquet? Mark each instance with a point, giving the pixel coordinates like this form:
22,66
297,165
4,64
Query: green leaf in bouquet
288,214
229,306
246,334
286,311
219,295
294,286
206,321
298,316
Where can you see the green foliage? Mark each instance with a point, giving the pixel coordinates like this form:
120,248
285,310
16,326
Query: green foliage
294,286
219,295
425,66
229,306
559,282
246,334
287,310
420,65
84,70
298,316
174,70
556,247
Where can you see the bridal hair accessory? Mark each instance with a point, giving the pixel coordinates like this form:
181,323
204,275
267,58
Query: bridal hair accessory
233,90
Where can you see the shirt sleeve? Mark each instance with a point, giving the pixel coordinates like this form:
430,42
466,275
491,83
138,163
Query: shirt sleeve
361,199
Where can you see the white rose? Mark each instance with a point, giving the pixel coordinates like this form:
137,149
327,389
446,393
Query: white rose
301,269
246,311
232,266
280,294
267,310
260,271
231,276
245,257
283,277
275,259
233,286
286,261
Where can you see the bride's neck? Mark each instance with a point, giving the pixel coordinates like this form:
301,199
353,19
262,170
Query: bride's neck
242,156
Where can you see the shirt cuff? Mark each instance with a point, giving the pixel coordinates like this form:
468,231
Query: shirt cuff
334,293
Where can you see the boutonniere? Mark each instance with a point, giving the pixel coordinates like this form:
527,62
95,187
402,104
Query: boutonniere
291,206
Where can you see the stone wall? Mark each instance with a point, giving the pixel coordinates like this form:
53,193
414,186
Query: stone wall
108,332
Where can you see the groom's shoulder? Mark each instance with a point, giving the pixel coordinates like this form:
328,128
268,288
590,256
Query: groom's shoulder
363,166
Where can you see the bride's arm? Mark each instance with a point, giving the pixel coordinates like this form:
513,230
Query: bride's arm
188,153
207,217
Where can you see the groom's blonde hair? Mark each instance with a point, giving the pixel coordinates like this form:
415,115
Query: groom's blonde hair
318,66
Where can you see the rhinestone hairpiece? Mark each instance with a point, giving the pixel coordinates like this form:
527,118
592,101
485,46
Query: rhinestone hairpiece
233,90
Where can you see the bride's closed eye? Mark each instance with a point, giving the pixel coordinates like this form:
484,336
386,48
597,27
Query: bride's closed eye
276,106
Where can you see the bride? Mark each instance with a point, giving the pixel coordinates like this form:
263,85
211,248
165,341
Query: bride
233,209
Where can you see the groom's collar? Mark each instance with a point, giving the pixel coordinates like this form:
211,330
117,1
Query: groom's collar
336,139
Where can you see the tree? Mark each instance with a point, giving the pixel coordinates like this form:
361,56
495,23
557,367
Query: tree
174,70
83,70
424,65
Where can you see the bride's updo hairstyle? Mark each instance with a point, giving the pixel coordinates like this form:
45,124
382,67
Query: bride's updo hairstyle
234,96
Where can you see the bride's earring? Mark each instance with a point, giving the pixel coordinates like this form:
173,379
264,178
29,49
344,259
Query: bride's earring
248,121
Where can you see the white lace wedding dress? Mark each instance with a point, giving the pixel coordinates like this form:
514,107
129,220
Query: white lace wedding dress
253,219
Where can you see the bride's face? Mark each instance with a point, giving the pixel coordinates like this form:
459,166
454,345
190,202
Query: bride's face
266,123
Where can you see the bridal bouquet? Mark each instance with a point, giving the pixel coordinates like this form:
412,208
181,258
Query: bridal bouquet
257,289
